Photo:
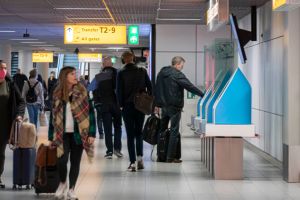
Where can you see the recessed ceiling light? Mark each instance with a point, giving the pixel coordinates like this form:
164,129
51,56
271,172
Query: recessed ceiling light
80,8
172,19
92,18
25,39
7,31
33,42
43,45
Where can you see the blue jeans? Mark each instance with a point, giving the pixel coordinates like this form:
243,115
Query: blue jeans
33,112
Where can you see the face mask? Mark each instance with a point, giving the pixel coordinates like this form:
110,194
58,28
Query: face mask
2,73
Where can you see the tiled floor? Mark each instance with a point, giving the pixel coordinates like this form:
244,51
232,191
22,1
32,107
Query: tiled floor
109,180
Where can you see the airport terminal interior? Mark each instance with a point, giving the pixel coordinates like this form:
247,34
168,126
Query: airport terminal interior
240,141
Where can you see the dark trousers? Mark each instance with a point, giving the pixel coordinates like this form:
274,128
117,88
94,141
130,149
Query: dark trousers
111,114
134,121
99,120
173,114
75,152
2,156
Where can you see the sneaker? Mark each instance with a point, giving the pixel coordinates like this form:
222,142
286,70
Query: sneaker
101,136
131,167
2,185
118,153
108,155
61,190
140,164
71,195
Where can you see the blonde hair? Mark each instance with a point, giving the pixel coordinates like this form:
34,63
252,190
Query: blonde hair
62,91
177,60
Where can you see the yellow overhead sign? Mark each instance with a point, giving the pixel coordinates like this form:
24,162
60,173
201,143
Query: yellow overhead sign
42,57
95,34
90,57
278,3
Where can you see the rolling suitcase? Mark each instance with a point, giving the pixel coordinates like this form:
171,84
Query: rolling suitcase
46,170
50,181
23,167
163,144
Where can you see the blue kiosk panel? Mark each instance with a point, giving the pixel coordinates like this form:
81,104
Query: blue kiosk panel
234,104
214,97
202,104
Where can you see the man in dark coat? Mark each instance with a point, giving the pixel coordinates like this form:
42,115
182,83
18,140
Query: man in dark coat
169,96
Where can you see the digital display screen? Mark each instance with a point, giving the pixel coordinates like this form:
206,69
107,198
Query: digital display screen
237,37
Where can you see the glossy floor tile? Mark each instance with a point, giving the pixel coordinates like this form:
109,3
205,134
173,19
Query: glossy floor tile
190,180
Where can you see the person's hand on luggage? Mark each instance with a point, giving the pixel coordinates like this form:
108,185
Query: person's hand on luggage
19,118
52,145
91,140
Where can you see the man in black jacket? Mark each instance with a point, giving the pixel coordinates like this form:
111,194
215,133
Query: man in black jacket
108,107
19,79
169,95
12,107
131,80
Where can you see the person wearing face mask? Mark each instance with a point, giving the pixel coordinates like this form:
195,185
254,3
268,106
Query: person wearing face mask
169,96
12,107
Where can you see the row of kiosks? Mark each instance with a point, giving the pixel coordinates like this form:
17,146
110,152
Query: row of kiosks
223,120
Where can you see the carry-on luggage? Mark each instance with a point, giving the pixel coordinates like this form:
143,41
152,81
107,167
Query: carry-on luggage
22,135
50,180
23,167
46,171
163,144
150,130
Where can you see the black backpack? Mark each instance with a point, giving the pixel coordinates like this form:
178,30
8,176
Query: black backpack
151,128
31,96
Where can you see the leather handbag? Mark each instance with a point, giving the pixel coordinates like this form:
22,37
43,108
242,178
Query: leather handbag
46,157
143,102
22,135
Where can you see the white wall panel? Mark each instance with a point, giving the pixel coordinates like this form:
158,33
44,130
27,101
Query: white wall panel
264,70
200,72
273,99
176,38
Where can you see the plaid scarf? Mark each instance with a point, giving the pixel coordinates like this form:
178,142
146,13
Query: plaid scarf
80,112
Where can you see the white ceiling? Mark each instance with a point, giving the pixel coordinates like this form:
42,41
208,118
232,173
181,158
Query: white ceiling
44,19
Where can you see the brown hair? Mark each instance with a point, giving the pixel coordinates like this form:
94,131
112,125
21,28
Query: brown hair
33,73
127,57
61,91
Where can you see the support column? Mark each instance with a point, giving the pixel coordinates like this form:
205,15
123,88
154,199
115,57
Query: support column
291,102
25,62
5,55
43,69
